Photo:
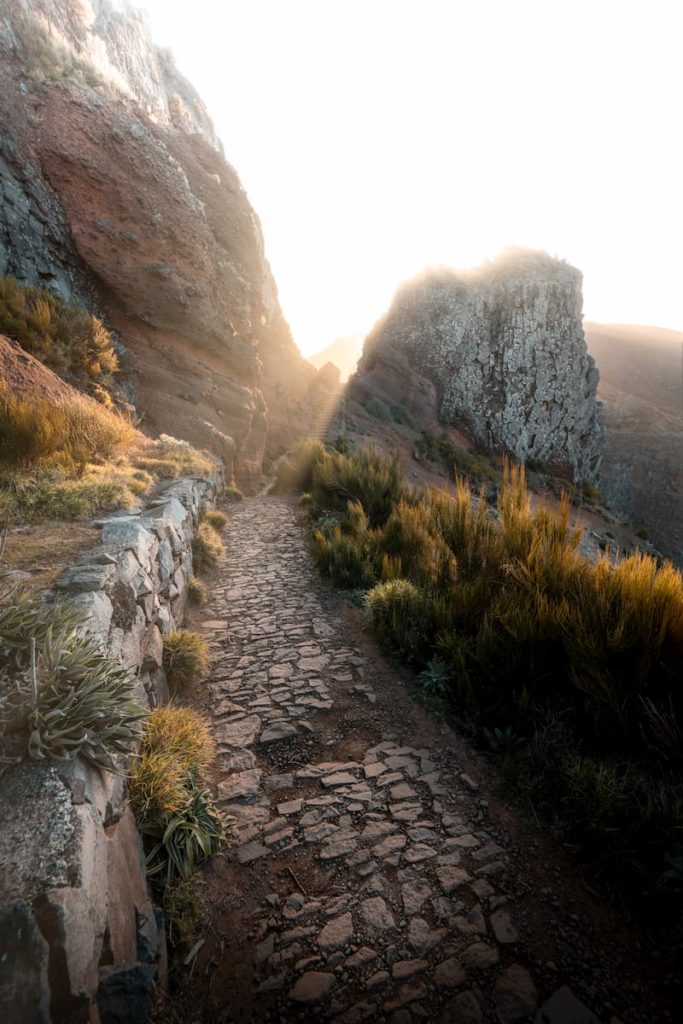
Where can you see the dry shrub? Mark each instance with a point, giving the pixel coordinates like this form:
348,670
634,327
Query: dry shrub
186,657
62,335
526,631
72,430
196,591
295,471
217,520
207,548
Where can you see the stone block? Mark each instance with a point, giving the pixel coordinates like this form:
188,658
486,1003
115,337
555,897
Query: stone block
24,986
127,887
129,534
97,611
125,993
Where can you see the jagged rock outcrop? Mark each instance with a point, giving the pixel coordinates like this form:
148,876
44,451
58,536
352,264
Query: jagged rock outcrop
504,348
117,194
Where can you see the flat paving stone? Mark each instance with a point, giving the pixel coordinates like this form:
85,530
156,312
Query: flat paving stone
450,974
251,851
377,915
312,986
278,731
239,786
336,933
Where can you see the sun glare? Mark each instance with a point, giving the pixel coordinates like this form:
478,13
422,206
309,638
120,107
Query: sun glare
375,139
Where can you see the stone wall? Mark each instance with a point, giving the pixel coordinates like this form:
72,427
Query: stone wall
505,347
80,938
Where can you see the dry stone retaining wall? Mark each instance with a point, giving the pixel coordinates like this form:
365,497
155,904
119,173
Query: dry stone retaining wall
79,937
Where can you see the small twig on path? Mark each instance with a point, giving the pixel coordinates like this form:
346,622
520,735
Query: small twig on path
192,955
301,888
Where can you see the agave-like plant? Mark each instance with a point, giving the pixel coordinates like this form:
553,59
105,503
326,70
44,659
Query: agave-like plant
184,839
82,703
25,615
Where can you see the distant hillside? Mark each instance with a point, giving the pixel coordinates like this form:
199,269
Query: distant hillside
641,385
343,352
643,362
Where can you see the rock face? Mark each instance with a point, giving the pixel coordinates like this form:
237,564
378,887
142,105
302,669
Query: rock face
116,194
504,348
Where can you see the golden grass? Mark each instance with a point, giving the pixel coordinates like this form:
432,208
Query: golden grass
186,657
177,743
217,520
63,336
185,735
196,591
207,548
71,430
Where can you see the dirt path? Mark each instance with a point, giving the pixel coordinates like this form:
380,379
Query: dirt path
373,876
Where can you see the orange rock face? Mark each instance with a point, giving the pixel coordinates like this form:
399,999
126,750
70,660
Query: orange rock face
118,194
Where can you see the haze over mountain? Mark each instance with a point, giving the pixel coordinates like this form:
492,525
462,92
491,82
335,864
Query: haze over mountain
641,387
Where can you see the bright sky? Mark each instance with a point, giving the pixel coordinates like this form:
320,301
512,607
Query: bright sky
378,137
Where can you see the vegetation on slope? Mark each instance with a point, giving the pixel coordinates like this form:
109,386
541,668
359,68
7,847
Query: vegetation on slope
572,669
62,335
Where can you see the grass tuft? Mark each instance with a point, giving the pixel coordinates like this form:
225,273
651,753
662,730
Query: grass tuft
207,548
217,520
196,591
63,336
168,783
186,657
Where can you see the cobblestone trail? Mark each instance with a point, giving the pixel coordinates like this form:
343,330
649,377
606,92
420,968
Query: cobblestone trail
377,888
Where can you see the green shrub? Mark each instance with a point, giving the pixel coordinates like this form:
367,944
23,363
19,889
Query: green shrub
458,460
63,336
295,471
207,548
183,913
341,444
366,477
196,591
406,618
217,520
347,555
505,617
186,657
233,494
378,408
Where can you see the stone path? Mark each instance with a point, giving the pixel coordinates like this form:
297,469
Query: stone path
372,884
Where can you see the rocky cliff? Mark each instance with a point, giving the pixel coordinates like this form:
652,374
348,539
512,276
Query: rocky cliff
502,350
116,193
